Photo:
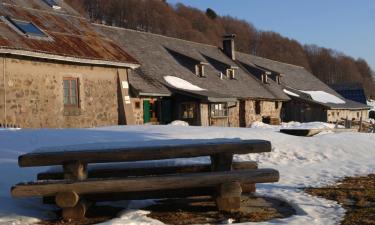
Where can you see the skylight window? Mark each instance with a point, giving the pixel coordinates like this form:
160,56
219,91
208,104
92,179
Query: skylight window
27,28
52,3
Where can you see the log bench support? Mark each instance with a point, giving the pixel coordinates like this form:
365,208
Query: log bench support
229,197
73,207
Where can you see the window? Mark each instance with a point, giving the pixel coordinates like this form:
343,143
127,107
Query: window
230,73
137,105
71,95
27,28
278,79
257,107
276,105
187,110
199,70
219,110
52,3
265,78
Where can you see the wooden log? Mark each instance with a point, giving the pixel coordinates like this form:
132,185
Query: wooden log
75,170
221,162
140,153
167,182
128,172
77,212
229,197
67,199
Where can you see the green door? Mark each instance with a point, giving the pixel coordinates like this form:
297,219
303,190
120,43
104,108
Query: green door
146,111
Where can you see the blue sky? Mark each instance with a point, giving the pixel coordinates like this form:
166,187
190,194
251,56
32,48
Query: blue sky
345,25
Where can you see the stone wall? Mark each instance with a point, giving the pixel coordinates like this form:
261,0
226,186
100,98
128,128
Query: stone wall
34,95
138,110
337,115
267,109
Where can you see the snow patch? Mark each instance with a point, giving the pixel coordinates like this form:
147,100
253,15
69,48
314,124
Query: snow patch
182,84
324,97
179,123
290,93
302,162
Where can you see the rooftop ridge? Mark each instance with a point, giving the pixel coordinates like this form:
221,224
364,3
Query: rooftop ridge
273,60
149,33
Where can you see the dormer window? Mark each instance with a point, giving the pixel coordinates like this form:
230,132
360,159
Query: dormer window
278,79
265,77
199,69
230,74
52,3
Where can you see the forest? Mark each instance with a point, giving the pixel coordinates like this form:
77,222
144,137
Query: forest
180,21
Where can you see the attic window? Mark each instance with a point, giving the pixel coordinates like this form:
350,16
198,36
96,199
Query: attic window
52,3
278,79
265,78
27,28
231,73
199,70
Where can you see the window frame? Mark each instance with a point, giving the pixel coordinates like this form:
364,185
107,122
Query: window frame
276,105
12,23
77,97
184,106
221,112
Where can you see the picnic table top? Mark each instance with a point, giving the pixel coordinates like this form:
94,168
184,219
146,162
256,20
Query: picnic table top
100,153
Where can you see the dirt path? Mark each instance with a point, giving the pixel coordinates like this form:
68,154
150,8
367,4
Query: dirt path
356,195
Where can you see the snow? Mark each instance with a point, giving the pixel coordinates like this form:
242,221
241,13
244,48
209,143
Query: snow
291,93
302,162
372,104
324,97
182,84
295,125
179,123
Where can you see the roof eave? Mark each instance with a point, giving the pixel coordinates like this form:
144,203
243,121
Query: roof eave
67,58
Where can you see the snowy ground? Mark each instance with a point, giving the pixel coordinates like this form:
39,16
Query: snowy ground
302,161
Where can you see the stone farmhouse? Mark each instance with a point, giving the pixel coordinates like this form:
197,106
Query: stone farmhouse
197,83
311,99
56,71
59,70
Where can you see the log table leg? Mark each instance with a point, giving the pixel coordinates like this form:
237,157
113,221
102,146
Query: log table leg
75,171
72,207
77,212
229,197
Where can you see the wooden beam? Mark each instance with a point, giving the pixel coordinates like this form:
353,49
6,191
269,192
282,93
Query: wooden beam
229,197
75,171
66,199
51,188
143,153
77,212
127,172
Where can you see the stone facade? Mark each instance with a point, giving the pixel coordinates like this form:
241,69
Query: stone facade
338,115
268,109
31,94
138,110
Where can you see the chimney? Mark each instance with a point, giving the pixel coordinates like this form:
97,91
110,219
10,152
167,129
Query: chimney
228,46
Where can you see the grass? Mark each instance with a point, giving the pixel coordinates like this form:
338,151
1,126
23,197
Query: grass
356,195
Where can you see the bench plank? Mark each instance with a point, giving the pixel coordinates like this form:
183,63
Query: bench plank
143,153
51,188
148,171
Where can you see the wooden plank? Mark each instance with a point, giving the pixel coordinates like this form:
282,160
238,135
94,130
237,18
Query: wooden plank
144,153
66,199
229,197
221,162
127,172
75,171
77,212
145,183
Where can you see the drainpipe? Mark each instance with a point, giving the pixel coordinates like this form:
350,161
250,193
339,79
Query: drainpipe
5,93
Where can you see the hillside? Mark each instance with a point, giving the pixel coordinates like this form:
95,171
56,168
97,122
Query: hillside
180,21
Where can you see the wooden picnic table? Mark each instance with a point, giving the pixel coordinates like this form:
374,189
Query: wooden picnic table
69,193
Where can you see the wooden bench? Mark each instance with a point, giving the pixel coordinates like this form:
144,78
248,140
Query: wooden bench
76,185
